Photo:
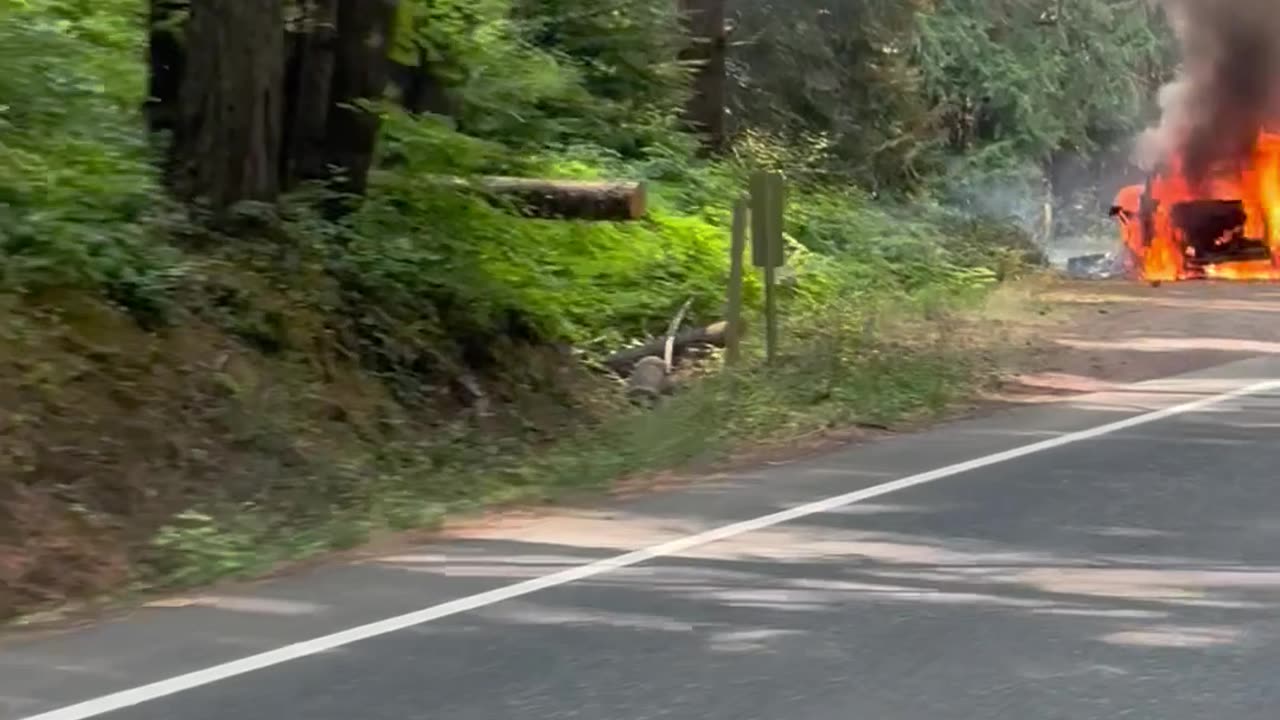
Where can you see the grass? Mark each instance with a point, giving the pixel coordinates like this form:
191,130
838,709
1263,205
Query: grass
185,402
286,396
903,365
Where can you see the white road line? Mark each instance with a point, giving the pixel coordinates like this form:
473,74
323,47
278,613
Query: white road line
144,693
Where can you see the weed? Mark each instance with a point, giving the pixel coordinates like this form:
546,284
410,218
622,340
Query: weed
195,400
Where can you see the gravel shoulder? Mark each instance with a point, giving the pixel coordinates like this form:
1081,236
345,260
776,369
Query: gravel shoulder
1101,333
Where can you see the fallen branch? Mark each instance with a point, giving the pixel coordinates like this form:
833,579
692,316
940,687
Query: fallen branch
668,353
559,199
713,334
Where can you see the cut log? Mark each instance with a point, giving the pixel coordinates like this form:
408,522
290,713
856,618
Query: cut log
622,361
648,380
560,199
572,199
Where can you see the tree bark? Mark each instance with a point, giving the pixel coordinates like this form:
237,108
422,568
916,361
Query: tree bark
559,199
165,62
308,83
228,135
360,73
708,44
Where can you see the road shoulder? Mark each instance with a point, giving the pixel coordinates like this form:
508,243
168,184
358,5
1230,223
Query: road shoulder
195,631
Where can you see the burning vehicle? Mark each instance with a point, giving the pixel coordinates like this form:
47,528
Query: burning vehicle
1210,204
1225,225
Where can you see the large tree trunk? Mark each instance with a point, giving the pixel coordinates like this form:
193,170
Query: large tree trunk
228,136
308,83
165,62
256,107
708,42
360,73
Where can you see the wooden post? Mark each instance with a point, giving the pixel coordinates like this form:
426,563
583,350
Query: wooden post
770,315
733,313
767,249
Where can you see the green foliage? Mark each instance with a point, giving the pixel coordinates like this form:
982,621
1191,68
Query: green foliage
1037,76
903,93
279,319
896,248
1020,90
107,40
582,282
538,72
841,72
76,182
628,46
198,548
209,550
625,49
503,85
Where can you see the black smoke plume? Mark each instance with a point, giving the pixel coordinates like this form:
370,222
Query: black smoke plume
1226,90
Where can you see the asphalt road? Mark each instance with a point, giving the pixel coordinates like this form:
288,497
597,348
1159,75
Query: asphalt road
1116,556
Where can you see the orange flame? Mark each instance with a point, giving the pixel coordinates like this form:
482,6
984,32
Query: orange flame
1159,250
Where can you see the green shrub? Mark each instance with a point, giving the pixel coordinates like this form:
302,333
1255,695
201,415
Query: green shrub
475,269
76,181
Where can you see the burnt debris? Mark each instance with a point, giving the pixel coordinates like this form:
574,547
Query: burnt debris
1095,266
1213,231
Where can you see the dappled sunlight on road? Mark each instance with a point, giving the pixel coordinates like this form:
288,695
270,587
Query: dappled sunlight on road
1148,601
1105,334
249,604
1104,583
1165,636
1099,582
1174,344
764,589
1078,549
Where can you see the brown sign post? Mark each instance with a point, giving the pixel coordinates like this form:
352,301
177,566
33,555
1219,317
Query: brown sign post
733,315
768,206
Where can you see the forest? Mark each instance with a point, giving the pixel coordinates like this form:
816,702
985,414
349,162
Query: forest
281,276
